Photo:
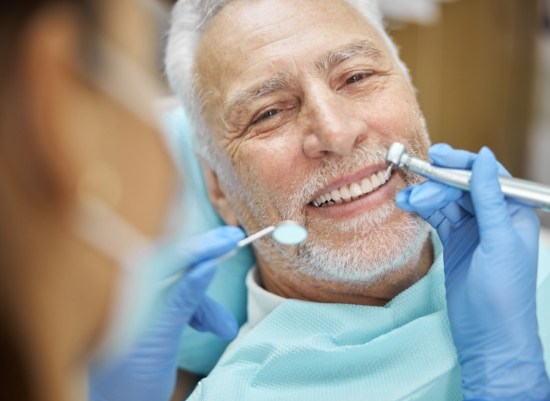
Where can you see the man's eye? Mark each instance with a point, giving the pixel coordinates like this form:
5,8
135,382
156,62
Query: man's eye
264,116
358,77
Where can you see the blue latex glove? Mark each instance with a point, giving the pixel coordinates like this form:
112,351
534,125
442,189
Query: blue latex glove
149,372
490,251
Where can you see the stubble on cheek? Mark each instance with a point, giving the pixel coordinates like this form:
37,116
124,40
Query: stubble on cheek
258,190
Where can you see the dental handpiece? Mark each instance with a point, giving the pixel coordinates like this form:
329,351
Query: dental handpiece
525,192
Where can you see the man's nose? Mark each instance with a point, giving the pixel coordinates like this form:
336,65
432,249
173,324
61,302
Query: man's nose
334,126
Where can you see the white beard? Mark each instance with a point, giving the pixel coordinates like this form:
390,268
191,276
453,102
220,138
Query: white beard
368,258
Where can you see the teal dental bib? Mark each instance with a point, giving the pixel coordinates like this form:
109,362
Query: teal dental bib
311,351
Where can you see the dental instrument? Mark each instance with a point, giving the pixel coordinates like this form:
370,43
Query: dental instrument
287,232
523,191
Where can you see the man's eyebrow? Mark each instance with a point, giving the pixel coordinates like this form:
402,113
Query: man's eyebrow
334,57
327,61
246,96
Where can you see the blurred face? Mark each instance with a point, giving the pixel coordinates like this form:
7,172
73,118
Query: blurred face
129,168
304,99
77,124
128,82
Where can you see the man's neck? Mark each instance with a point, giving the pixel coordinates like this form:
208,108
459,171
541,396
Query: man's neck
291,284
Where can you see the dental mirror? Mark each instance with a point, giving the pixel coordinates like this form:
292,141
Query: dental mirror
287,233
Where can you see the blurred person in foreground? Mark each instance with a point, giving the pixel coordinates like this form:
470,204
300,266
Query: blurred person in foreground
86,185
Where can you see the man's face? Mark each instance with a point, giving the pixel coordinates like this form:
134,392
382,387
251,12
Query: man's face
304,98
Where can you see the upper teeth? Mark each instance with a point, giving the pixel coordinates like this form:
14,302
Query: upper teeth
352,191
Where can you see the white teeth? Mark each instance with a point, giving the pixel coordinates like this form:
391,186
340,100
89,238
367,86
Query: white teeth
353,191
335,195
375,181
387,174
346,195
382,177
366,185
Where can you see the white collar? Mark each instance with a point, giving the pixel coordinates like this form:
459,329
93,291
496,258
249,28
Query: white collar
260,301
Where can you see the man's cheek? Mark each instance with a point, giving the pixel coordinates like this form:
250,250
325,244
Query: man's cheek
273,167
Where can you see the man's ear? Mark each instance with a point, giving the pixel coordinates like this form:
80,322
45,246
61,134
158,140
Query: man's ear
217,195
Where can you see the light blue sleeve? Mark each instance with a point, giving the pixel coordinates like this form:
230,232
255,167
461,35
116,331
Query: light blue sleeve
199,352
543,301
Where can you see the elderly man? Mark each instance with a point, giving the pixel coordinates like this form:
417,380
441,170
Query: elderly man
294,104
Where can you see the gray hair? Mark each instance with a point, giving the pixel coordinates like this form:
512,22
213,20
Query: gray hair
189,20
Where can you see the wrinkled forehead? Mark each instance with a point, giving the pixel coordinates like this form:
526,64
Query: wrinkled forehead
248,38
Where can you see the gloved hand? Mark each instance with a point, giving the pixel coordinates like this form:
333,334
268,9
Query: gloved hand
149,372
490,252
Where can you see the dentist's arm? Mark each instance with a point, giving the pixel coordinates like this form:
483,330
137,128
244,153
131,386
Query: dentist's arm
490,253
149,372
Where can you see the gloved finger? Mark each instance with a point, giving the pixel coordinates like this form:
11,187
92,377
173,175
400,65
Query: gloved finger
489,203
402,200
455,213
188,293
457,251
211,316
444,155
430,196
210,245
455,216
466,203
441,224
428,212
434,217
181,304
441,206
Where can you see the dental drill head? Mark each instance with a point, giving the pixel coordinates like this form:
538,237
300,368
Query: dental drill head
397,155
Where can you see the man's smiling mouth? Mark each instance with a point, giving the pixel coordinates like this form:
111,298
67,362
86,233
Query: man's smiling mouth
353,191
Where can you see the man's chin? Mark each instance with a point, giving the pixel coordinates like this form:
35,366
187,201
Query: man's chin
364,255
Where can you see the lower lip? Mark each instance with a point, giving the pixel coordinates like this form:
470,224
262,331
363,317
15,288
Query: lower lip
363,204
